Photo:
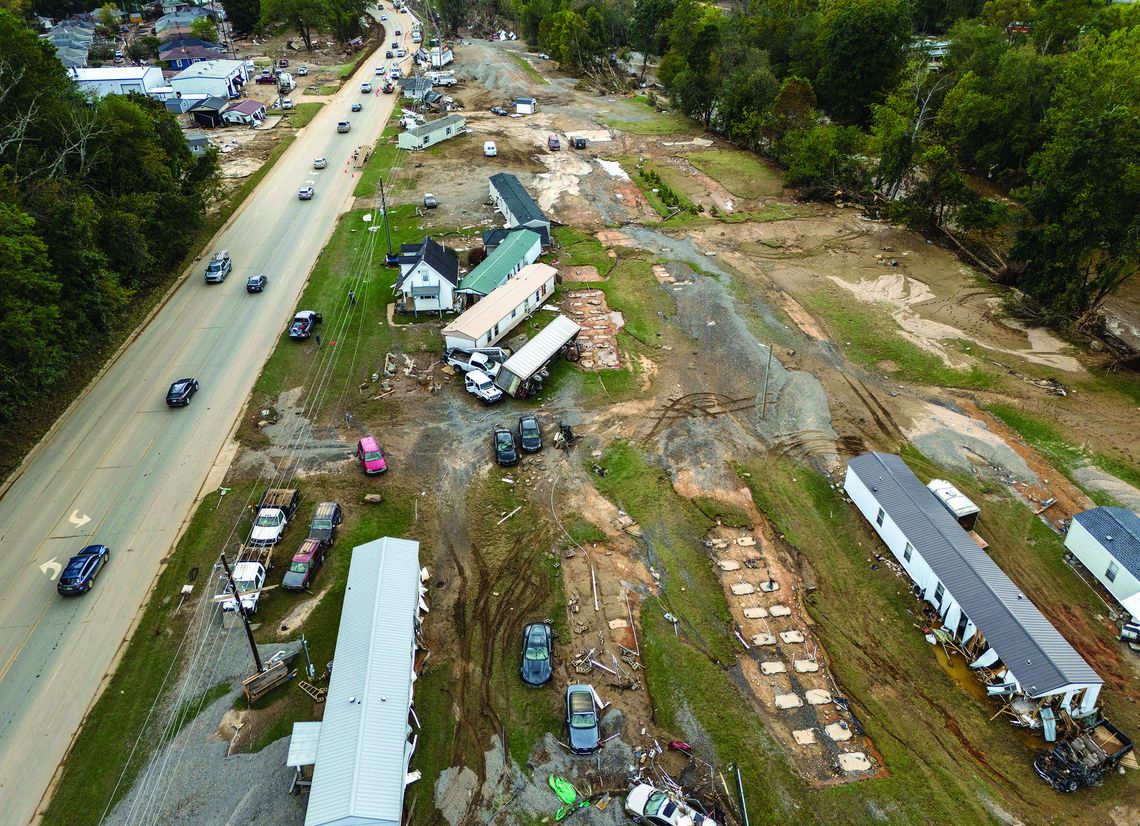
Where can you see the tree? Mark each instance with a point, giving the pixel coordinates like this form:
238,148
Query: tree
108,16
145,48
647,31
243,15
824,160
204,28
939,191
793,110
862,48
453,14
302,15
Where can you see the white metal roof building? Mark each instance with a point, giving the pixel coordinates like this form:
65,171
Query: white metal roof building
517,371
505,307
118,80
221,78
366,738
980,606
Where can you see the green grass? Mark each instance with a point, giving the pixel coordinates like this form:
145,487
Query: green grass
867,335
1055,447
580,249
645,120
741,173
385,155
673,528
528,69
196,705
330,88
303,113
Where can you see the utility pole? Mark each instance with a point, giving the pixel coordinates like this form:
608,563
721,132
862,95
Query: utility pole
387,230
308,659
244,615
767,372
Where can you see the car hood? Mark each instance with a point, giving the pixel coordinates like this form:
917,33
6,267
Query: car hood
536,672
583,739
260,532
294,580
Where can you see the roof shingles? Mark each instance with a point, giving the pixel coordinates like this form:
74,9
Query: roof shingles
1124,528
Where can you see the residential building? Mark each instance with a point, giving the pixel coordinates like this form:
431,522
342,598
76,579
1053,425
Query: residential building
502,310
517,207
497,235
518,375
183,19
1107,542
414,88
998,626
432,132
514,253
248,112
208,111
369,730
198,142
118,80
429,275
219,78
179,57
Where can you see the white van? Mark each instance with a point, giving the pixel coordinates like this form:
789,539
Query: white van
489,149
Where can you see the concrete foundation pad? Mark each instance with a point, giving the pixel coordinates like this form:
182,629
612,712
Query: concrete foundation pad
818,697
838,732
786,701
772,668
746,541
804,736
780,611
743,589
854,761
791,636
728,564
768,586
763,639
755,612
719,544
615,624
806,666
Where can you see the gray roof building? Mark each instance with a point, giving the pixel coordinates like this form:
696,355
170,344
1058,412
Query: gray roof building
363,749
1040,659
517,207
1118,529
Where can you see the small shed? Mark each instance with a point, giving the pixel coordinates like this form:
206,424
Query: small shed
432,132
517,375
198,142
526,106
502,310
249,112
961,507
1107,542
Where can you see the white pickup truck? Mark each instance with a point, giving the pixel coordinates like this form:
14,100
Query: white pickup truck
249,577
274,511
480,385
488,360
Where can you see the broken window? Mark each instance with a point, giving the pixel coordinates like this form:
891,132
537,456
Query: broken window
879,518
907,551
1113,570
938,593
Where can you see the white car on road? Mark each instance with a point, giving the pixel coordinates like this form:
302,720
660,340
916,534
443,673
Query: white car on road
319,163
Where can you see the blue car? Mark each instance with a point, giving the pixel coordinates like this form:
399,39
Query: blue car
81,570
582,719
538,644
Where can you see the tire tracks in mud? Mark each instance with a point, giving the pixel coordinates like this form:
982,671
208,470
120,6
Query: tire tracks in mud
698,405
883,417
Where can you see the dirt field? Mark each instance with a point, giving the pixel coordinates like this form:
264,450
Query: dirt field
756,351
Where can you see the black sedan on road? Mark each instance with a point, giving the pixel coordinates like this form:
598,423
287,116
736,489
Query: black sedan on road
81,570
530,434
538,647
256,283
180,392
506,454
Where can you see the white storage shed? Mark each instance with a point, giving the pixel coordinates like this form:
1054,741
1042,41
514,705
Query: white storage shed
1107,542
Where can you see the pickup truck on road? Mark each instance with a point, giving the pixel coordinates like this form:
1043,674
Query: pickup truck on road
274,511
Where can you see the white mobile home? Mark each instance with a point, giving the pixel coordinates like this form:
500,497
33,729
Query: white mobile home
1107,542
432,132
369,731
118,80
980,607
501,311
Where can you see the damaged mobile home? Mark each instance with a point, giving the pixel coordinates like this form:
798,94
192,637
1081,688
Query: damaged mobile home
359,752
1008,641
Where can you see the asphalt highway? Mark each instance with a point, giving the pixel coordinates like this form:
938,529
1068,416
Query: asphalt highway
125,471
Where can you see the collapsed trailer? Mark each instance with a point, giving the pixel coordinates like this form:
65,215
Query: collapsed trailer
522,373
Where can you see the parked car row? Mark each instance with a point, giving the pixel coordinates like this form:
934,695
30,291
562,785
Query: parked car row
529,435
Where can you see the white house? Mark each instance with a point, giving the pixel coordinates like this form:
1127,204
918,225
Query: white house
981,608
517,207
429,275
432,132
218,78
502,310
118,80
1107,542
249,112
361,749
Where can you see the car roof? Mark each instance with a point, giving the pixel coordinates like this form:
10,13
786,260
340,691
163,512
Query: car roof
369,443
308,548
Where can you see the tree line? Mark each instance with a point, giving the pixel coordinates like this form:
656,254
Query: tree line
1038,99
99,202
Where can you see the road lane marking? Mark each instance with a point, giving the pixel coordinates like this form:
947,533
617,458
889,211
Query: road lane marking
53,566
77,520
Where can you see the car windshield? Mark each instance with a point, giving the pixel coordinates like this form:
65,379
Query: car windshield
270,520
537,652
582,719
214,266
177,387
322,524
529,428
298,567
373,455
657,804
504,440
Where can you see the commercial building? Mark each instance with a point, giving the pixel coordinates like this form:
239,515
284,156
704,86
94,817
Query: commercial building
981,609
118,80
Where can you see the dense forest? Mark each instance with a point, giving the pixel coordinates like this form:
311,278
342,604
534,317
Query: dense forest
912,107
99,202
